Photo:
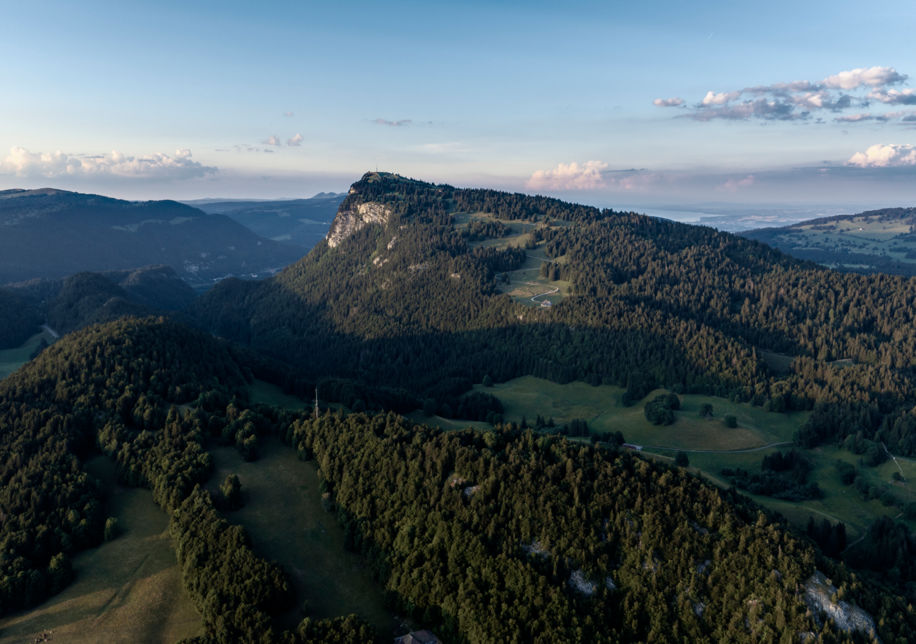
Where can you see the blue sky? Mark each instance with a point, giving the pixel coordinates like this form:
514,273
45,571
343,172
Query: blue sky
608,103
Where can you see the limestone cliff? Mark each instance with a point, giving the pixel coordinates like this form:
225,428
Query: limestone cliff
349,220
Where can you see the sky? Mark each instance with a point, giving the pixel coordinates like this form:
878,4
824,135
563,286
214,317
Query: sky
650,103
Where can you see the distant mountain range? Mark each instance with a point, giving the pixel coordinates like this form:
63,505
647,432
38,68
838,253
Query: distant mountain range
51,233
303,222
877,241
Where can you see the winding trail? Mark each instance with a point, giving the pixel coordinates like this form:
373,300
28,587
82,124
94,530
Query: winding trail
550,292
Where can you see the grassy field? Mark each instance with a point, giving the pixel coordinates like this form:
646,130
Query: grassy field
12,359
525,282
602,408
710,445
876,240
287,523
127,590
446,424
268,394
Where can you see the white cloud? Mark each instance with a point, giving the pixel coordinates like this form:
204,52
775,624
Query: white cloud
24,163
721,98
884,156
800,100
668,102
894,97
272,140
295,140
569,176
864,77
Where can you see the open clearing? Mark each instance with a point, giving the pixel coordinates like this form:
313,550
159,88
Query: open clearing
601,407
268,394
525,282
12,359
287,523
711,445
126,590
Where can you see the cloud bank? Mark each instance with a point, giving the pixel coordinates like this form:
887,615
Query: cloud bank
569,176
803,100
885,156
24,163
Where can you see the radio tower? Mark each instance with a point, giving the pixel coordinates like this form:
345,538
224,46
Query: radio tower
316,403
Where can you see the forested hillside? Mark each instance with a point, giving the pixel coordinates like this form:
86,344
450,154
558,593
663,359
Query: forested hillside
876,241
501,535
88,298
414,289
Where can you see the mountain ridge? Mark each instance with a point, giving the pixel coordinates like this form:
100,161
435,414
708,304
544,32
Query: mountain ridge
49,233
872,241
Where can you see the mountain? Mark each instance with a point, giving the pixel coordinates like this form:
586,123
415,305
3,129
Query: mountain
430,288
503,532
303,222
53,233
876,241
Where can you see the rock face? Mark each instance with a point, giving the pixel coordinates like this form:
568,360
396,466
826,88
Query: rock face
818,596
349,221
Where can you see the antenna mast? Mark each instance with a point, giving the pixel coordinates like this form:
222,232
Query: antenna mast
316,402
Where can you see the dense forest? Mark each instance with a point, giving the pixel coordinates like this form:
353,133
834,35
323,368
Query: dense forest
504,534
406,299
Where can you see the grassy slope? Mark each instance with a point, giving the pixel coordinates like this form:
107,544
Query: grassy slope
601,407
286,521
268,394
864,235
524,282
12,359
127,590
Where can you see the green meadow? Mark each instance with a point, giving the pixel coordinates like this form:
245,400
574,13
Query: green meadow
12,359
710,445
287,523
126,590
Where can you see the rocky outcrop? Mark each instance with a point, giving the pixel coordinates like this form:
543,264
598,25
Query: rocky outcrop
349,221
819,596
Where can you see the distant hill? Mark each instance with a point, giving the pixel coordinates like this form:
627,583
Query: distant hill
88,298
877,241
303,222
51,233
19,318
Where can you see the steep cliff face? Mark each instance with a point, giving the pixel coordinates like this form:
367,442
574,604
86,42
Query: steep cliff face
349,220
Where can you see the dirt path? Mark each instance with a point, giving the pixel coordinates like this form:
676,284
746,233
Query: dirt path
746,450
550,292
54,334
